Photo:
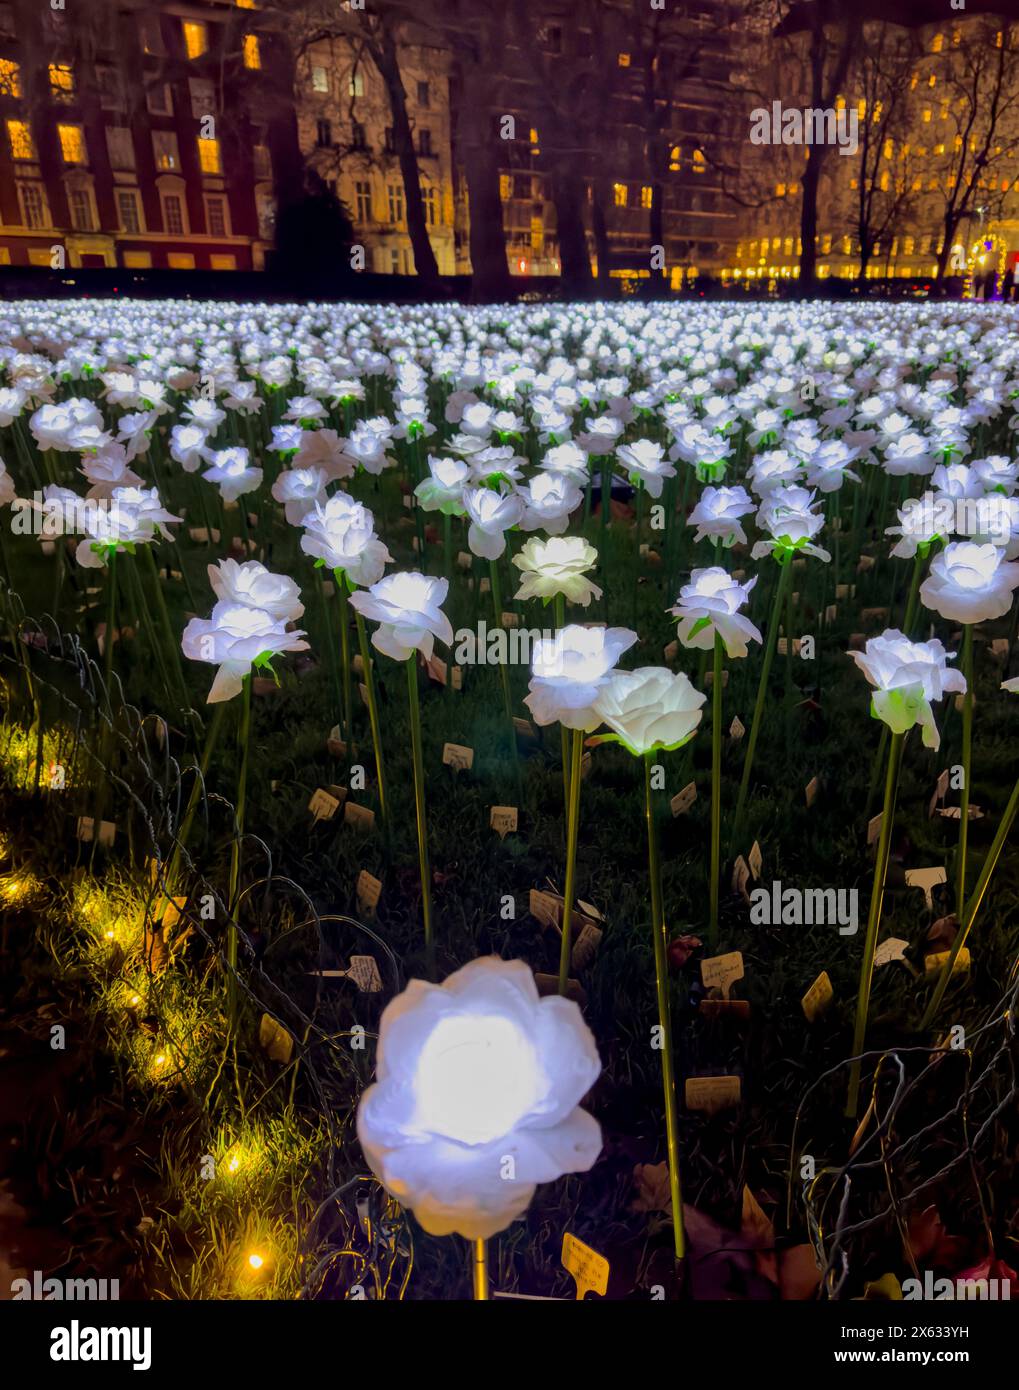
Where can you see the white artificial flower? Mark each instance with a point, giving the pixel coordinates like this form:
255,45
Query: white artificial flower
569,670
491,514
787,515
232,473
298,489
717,514
236,638
341,533
549,498
407,607
251,584
969,583
443,489
710,603
649,708
478,1077
647,465
906,677
557,566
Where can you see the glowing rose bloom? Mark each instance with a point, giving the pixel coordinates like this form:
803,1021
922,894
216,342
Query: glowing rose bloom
710,603
232,473
828,467
469,1074
12,404
235,639
341,533
989,520
188,446
906,677
8,491
491,514
63,427
786,515
442,490
772,469
997,473
303,408
717,514
368,443
251,584
956,480
324,449
557,566
286,439
969,583
568,460
549,499
649,708
205,414
58,510
601,434
922,520
244,398
646,464
476,418
107,469
909,453
130,516
298,489
408,608
496,463
569,670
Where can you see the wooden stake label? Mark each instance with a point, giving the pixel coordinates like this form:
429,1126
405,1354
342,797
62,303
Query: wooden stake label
712,1093
107,830
755,859
818,997
358,816
741,877
684,799
457,756
369,890
365,973
323,806
722,972
545,907
737,728
589,1269
892,948
585,948
928,880
810,791
503,820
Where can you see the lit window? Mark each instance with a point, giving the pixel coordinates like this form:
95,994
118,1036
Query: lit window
72,143
861,109
505,187
888,149
164,150
533,135
137,260
646,195
675,159
319,79
394,194
938,43
127,210
624,60
780,190
222,262
196,37
355,87
246,4
180,260
252,56
619,194
700,164
61,79
10,78
927,113
208,156
20,135
428,197
840,103
363,194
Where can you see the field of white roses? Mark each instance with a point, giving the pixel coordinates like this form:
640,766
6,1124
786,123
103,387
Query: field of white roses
487,774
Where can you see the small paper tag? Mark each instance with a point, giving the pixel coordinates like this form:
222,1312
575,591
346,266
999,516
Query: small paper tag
955,812
369,890
458,756
358,816
737,728
999,648
335,745
365,973
436,668
928,880
274,1040
892,948
458,678
545,907
755,859
671,651
940,791
712,1093
107,830
323,806
684,799
464,560
845,591
503,820
818,997
589,1269
874,828
810,791
510,619
585,947
741,877
722,972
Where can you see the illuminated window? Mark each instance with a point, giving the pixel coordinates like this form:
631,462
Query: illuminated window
700,164
927,113
675,159
61,80
840,103
939,149
180,260
137,260
164,150
861,109
505,187
624,60
932,81
908,244
885,181
394,197
355,87
319,79
72,143
619,194
363,194
208,156
20,135
10,78
196,37
252,56
222,262
787,246
82,215
888,149
246,4
128,210
534,137
913,81
429,200
826,245
646,195
937,43
780,190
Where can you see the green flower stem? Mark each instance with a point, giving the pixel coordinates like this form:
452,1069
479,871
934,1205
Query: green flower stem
572,826
606,493
973,906
664,1013
106,728
419,804
447,545
172,648
785,569
330,647
716,789
559,609
913,600
967,756
874,918
507,698
173,869
233,897
340,580
373,709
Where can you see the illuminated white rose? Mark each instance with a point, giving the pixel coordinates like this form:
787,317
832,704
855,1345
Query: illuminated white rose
106,469
570,669
922,520
646,464
491,514
443,489
787,515
188,446
324,449
478,1078
236,638
710,603
548,500
249,583
129,516
299,489
407,608
717,514
568,459
342,534
650,708
906,677
233,473
969,583
68,425
557,566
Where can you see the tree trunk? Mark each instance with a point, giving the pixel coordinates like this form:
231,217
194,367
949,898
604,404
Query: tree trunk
601,241
490,280
573,258
808,224
386,59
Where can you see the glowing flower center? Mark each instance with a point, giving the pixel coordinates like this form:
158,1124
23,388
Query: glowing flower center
476,1078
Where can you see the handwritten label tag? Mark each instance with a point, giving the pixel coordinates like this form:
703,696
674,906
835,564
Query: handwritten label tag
999,648
845,591
458,756
107,830
525,729
458,677
274,1040
503,820
755,859
546,907
741,877
783,646
737,728
955,812
874,828
369,890
585,947
335,745
712,1093
935,963
365,973
722,972
684,799
818,997
589,1269
892,948
810,791
928,880
940,791
323,806
510,619
360,817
